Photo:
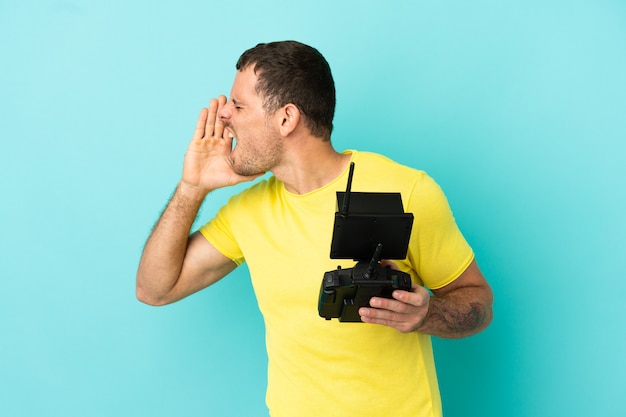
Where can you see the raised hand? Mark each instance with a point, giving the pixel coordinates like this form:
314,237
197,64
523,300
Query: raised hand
207,163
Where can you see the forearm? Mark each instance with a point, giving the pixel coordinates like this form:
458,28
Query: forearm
164,253
461,313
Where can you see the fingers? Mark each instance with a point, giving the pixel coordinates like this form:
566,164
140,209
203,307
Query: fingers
418,296
209,123
209,130
215,126
390,264
200,126
405,312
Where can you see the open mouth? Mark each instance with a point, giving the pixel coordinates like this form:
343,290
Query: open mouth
233,137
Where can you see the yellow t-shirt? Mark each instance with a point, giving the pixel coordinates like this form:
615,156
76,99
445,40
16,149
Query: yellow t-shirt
328,368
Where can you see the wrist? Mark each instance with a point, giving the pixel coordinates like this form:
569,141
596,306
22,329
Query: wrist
192,192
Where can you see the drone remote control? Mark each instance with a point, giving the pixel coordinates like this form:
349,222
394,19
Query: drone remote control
376,228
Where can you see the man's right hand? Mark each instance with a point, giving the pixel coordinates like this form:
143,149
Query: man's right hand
207,163
174,264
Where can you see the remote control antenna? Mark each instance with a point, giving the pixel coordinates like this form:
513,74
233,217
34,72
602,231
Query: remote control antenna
375,259
346,197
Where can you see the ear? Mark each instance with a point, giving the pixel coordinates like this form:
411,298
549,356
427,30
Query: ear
289,119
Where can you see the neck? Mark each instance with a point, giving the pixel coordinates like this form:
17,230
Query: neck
311,166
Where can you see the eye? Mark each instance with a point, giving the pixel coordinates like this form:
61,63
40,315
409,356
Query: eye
236,105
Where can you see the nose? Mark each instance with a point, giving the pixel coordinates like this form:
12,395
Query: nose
226,111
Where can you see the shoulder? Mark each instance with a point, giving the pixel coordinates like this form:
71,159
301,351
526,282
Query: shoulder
420,192
266,189
378,169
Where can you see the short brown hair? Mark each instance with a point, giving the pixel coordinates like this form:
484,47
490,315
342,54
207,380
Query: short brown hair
292,72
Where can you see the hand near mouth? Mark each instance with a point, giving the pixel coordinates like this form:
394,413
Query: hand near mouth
207,164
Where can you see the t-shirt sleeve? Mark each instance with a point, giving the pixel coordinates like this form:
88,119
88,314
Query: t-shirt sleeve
219,233
437,250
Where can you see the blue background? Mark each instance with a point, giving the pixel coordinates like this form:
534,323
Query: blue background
517,108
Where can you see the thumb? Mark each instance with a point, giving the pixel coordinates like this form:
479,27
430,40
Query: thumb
390,264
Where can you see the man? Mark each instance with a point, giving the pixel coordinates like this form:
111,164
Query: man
279,119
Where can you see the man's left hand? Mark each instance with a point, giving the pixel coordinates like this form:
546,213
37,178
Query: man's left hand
405,312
